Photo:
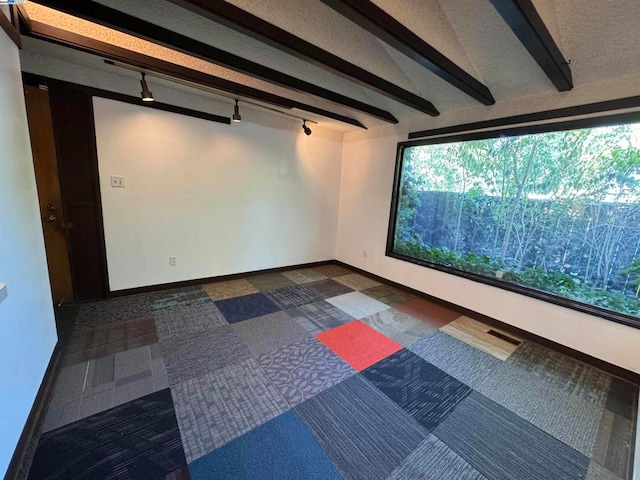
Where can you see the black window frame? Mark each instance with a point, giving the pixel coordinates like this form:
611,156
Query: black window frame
508,131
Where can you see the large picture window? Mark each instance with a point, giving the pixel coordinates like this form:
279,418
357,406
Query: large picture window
555,215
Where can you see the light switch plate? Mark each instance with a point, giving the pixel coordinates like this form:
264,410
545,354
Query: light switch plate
117,181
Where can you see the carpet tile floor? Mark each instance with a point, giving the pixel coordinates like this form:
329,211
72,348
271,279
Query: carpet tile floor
321,373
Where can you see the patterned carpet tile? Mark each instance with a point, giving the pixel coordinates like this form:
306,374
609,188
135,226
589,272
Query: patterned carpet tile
357,281
333,270
188,320
269,332
229,289
458,359
621,398
303,369
503,446
179,297
195,355
282,448
270,281
91,387
434,460
327,289
219,406
535,381
358,344
425,392
431,313
93,314
398,326
293,296
90,343
305,275
249,306
481,336
388,295
598,472
365,435
318,316
357,304
137,440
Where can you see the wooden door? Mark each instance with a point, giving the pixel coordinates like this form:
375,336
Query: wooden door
49,195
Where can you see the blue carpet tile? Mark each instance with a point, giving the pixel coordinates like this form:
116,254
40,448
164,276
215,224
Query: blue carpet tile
137,440
245,307
424,391
282,448
503,446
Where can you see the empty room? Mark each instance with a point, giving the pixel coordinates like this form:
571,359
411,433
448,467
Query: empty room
319,239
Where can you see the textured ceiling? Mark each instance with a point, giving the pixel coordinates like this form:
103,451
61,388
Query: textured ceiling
600,38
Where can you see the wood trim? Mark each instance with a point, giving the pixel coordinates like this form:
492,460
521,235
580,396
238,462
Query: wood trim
615,370
109,17
58,36
248,24
379,23
7,25
587,109
523,18
219,278
33,79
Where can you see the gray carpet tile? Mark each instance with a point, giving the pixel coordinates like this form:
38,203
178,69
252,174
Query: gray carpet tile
433,460
293,296
389,295
425,392
327,288
219,406
269,332
622,398
398,326
503,446
92,387
304,275
188,320
535,381
333,270
598,472
270,281
93,314
614,444
319,316
357,304
363,433
304,369
194,355
179,297
357,281
458,359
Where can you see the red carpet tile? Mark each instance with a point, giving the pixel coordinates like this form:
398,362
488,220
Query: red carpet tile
358,344
431,313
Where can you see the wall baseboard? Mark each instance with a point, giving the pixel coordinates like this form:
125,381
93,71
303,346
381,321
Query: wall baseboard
570,352
200,281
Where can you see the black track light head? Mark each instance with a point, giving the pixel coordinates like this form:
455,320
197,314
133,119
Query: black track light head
146,94
236,113
305,129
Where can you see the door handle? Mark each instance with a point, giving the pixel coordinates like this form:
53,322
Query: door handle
50,219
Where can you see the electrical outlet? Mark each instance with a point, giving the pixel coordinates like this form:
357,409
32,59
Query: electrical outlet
172,261
117,182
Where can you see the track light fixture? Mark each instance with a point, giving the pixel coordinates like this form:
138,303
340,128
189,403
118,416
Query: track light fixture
236,113
305,129
146,94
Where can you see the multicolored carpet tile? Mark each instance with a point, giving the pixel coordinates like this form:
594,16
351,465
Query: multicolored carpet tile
322,373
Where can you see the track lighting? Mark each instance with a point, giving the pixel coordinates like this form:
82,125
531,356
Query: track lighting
146,94
236,113
305,129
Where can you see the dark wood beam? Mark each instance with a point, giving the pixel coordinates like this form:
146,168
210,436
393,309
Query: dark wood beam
105,50
379,23
109,17
7,25
524,20
254,27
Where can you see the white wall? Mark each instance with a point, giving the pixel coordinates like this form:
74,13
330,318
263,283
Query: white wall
27,327
221,198
365,199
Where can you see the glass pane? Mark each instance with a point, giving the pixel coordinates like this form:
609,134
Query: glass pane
556,212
